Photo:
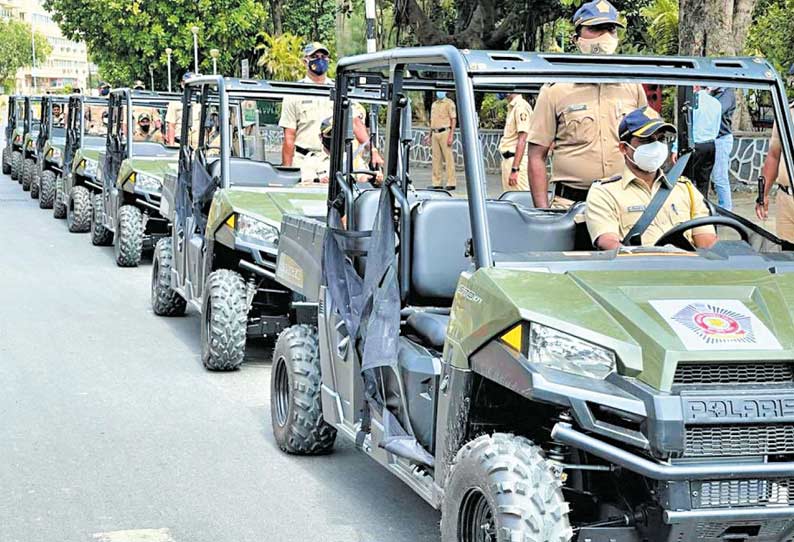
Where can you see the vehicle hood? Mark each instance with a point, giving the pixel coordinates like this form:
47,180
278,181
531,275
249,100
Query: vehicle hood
650,319
269,204
90,153
157,166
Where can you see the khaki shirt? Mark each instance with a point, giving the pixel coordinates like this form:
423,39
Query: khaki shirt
581,121
519,116
315,167
782,173
442,113
154,135
615,206
305,115
93,118
173,115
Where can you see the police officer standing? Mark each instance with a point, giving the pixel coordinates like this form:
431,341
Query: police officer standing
580,120
173,118
301,118
616,205
443,118
513,144
774,170
96,115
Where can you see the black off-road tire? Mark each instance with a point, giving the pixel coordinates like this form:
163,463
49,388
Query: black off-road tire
27,173
58,204
35,186
509,474
224,321
46,189
6,161
16,165
128,241
165,301
79,209
296,409
100,235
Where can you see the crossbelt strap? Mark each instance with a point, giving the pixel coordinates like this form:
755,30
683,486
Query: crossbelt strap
634,237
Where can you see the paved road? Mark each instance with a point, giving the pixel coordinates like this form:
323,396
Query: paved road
111,430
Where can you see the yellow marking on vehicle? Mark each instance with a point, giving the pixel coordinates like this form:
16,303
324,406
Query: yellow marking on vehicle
135,535
514,338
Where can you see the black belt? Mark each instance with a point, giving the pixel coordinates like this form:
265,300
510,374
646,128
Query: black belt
508,154
573,194
438,130
786,189
301,150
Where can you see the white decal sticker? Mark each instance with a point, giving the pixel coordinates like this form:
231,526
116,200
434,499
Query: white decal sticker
715,324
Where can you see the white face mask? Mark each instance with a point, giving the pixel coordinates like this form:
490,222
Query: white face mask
651,156
605,44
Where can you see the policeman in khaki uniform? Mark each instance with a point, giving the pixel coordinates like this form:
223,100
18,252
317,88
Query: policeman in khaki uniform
145,129
96,115
614,206
513,144
443,117
775,170
173,118
57,115
580,120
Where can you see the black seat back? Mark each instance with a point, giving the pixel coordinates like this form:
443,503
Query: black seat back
249,173
520,197
440,230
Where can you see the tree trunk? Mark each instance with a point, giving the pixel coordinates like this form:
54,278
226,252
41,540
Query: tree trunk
277,16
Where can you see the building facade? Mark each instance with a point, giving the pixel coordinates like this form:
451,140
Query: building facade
67,65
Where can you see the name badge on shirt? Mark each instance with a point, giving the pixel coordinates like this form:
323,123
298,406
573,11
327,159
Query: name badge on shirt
576,107
635,208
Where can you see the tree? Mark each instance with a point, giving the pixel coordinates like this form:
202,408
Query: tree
126,36
771,33
282,57
16,49
661,16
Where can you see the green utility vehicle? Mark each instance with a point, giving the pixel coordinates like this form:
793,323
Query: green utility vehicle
14,132
32,125
50,142
527,386
225,206
85,139
126,212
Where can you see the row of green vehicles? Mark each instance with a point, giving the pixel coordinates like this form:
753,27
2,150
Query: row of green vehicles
529,387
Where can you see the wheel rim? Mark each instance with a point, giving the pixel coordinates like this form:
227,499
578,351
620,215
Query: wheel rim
155,280
476,521
281,391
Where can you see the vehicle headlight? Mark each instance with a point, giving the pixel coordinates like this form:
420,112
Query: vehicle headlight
90,167
147,183
559,350
55,154
254,229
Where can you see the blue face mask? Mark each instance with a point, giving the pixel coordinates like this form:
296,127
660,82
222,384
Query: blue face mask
441,95
104,91
501,95
318,66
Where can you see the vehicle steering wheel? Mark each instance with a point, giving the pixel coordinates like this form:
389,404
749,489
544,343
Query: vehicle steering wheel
675,235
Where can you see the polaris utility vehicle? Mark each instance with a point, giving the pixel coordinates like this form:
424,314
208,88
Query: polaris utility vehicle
529,387
126,212
225,207
49,143
32,126
86,126
14,133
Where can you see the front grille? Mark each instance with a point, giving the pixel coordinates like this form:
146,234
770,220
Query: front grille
725,493
769,372
732,440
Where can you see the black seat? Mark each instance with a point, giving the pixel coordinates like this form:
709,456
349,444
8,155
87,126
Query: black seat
430,328
520,197
440,231
249,173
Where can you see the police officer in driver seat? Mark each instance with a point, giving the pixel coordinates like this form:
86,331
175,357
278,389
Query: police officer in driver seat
615,206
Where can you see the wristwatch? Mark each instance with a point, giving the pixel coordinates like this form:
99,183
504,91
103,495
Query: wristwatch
514,170
761,186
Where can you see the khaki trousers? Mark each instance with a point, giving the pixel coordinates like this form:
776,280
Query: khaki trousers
523,180
784,219
441,151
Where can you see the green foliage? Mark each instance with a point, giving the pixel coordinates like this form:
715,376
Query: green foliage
313,20
15,48
770,35
282,56
126,37
493,112
662,20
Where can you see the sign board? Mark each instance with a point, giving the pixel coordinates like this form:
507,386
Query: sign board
244,69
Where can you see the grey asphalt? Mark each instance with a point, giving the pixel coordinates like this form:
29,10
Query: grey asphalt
111,429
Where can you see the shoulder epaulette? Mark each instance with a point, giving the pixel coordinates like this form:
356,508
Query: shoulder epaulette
612,179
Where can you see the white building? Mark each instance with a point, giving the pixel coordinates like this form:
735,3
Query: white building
67,64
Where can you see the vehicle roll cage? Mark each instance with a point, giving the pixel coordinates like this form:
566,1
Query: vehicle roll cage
222,91
489,71
130,98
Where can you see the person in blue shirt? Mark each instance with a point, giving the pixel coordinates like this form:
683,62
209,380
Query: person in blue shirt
723,146
706,121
